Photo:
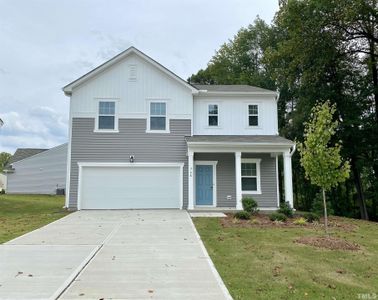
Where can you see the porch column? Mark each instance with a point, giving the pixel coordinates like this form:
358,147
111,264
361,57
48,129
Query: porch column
239,205
288,179
190,180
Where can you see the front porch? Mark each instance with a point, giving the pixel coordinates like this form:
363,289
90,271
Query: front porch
224,169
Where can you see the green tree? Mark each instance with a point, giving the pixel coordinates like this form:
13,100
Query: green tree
239,61
322,162
4,159
317,58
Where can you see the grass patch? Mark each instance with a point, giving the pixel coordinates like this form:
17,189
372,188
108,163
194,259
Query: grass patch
23,213
266,263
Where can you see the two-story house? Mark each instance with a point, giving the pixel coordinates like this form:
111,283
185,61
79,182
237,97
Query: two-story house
141,137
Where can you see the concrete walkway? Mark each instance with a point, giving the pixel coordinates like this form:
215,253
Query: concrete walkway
130,254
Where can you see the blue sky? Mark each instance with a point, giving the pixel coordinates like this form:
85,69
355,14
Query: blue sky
47,44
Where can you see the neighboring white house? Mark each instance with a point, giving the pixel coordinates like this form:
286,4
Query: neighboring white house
3,182
142,137
41,173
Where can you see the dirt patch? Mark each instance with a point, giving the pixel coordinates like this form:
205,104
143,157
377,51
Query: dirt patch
258,220
328,243
340,223
262,220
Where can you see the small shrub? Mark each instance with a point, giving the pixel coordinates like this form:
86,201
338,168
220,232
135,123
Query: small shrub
300,221
249,205
286,209
277,216
311,217
242,215
2,191
255,221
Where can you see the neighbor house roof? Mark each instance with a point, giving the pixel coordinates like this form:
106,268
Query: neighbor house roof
132,50
239,139
22,153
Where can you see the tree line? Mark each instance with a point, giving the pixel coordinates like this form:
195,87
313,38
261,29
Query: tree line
316,51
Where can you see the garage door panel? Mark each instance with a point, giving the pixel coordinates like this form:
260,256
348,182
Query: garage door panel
130,187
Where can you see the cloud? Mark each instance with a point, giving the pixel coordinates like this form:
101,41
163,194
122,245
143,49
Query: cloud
3,71
45,51
39,127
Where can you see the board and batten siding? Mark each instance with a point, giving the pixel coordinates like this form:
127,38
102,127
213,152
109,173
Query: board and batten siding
42,173
233,115
132,139
226,185
132,95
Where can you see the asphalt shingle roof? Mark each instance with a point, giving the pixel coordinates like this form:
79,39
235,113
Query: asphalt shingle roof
22,153
253,139
231,88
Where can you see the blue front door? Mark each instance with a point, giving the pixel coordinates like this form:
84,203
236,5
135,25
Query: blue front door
204,185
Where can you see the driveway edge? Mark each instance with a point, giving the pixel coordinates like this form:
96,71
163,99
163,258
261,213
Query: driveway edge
218,278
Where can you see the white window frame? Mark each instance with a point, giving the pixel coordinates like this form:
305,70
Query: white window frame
115,130
148,129
209,115
257,161
258,115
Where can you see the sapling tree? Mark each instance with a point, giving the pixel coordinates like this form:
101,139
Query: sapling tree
322,161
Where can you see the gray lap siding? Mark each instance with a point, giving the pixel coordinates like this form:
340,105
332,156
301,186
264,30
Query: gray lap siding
226,183
268,197
132,139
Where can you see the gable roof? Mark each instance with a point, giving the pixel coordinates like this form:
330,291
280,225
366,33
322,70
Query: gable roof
132,50
232,88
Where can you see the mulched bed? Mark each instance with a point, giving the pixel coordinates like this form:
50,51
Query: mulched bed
328,243
262,220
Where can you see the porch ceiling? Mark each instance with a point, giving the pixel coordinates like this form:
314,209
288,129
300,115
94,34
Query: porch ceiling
231,143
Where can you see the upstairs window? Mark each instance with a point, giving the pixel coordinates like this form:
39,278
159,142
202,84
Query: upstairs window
250,176
253,115
213,114
158,116
106,115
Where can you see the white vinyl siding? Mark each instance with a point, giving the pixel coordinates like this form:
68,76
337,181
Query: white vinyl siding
132,96
233,115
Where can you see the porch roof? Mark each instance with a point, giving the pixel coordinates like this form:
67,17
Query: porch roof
269,140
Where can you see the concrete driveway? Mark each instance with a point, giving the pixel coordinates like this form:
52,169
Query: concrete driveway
124,254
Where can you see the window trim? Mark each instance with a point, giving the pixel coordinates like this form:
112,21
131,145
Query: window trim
148,127
257,161
258,115
116,118
208,115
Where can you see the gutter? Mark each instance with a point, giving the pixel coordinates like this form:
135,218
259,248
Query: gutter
292,150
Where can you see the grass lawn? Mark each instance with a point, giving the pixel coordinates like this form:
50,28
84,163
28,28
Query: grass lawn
23,213
266,263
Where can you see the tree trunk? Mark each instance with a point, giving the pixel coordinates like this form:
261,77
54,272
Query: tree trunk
325,213
360,194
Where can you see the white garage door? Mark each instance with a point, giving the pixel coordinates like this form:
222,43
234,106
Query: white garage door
130,187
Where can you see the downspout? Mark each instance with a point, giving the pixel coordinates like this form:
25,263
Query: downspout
292,150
